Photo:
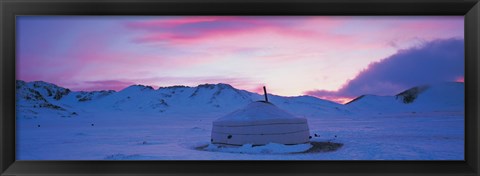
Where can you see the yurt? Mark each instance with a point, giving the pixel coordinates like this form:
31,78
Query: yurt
260,123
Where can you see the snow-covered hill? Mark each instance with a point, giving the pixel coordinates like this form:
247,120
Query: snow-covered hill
438,97
36,98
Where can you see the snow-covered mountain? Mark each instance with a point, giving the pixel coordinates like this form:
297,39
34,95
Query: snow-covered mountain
437,97
39,98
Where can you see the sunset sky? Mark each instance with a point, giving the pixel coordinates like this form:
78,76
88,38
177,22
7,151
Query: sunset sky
336,58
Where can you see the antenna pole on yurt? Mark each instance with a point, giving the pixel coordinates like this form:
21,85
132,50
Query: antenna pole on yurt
265,93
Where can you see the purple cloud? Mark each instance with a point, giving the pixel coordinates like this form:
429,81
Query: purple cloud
432,62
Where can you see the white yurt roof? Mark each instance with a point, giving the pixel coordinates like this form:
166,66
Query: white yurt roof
259,112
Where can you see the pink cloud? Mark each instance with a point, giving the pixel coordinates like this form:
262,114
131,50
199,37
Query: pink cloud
104,85
171,23
191,30
460,79
259,90
90,58
290,41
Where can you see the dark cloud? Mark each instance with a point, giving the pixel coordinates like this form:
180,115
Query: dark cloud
432,62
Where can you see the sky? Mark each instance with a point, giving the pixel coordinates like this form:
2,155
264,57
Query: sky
331,57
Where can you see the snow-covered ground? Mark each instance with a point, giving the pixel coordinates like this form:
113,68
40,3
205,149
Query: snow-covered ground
104,128
420,136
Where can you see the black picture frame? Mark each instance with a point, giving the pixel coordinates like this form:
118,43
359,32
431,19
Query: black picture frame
11,8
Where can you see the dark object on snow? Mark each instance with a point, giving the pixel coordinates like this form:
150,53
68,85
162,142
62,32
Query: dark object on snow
309,137
93,124
265,93
38,125
322,147
316,135
229,136
410,95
